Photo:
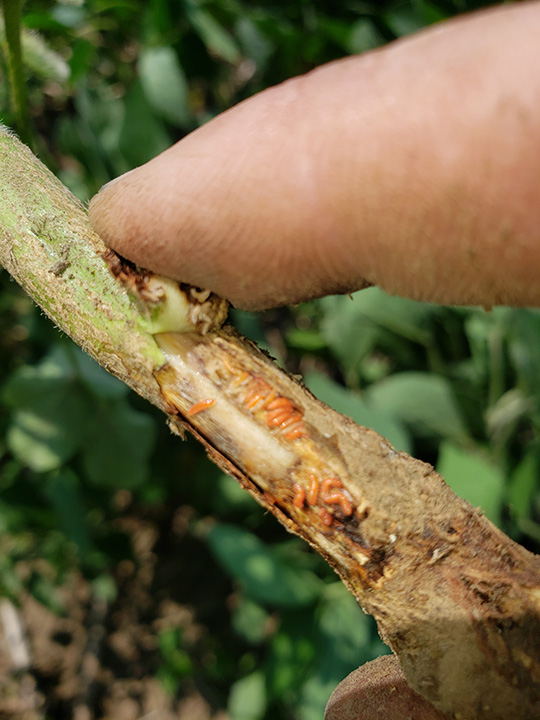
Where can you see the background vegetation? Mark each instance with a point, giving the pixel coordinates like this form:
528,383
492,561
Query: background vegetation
94,490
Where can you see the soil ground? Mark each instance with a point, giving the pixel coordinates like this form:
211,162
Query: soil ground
98,661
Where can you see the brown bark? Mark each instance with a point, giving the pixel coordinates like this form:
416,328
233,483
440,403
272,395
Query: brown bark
457,601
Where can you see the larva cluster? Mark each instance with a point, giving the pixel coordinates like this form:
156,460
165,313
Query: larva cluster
278,412
330,491
317,486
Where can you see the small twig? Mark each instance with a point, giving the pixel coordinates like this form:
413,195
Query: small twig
17,85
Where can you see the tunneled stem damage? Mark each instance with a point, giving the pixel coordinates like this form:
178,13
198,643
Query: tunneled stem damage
388,524
457,600
232,397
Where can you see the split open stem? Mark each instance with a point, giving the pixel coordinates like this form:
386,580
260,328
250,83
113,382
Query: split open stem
458,601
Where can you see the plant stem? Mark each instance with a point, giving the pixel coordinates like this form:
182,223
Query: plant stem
12,21
457,601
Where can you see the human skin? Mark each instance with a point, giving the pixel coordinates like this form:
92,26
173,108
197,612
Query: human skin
379,691
415,168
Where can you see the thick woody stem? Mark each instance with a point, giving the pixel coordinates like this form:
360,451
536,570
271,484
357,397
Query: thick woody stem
457,600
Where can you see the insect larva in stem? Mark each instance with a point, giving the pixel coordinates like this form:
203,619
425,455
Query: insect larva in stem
326,516
333,493
299,495
313,492
200,406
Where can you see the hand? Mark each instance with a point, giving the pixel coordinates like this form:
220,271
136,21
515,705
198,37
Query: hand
378,691
415,168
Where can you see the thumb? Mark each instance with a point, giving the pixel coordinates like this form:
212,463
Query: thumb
378,690
414,167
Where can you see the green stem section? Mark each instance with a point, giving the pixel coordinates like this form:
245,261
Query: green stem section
12,21
47,244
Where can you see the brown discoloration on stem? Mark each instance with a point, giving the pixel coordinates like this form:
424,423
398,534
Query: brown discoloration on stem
437,575
457,600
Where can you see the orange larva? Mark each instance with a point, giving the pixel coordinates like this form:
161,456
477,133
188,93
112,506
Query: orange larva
332,492
284,414
279,402
313,492
296,432
241,378
325,516
258,392
281,412
331,482
346,505
260,396
200,406
293,417
299,495
338,498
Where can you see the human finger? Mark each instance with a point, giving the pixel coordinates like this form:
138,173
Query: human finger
378,690
414,167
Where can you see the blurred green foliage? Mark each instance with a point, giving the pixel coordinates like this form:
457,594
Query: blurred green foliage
112,83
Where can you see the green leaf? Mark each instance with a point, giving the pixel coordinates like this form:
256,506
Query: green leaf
68,14
40,444
178,664
30,387
524,346
524,486
247,700
216,39
363,36
143,135
51,412
228,496
249,324
291,655
344,643
473,478
424,402
351,404
82,54
343,624
353,325
406,18
39,57
96,379
250,621
346,330
118,447
309,340
64,493
254,44
262,574
404,317
165,84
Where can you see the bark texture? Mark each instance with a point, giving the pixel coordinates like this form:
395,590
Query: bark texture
458,601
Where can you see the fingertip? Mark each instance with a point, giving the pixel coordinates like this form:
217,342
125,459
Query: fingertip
364,170
378,690
101,210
